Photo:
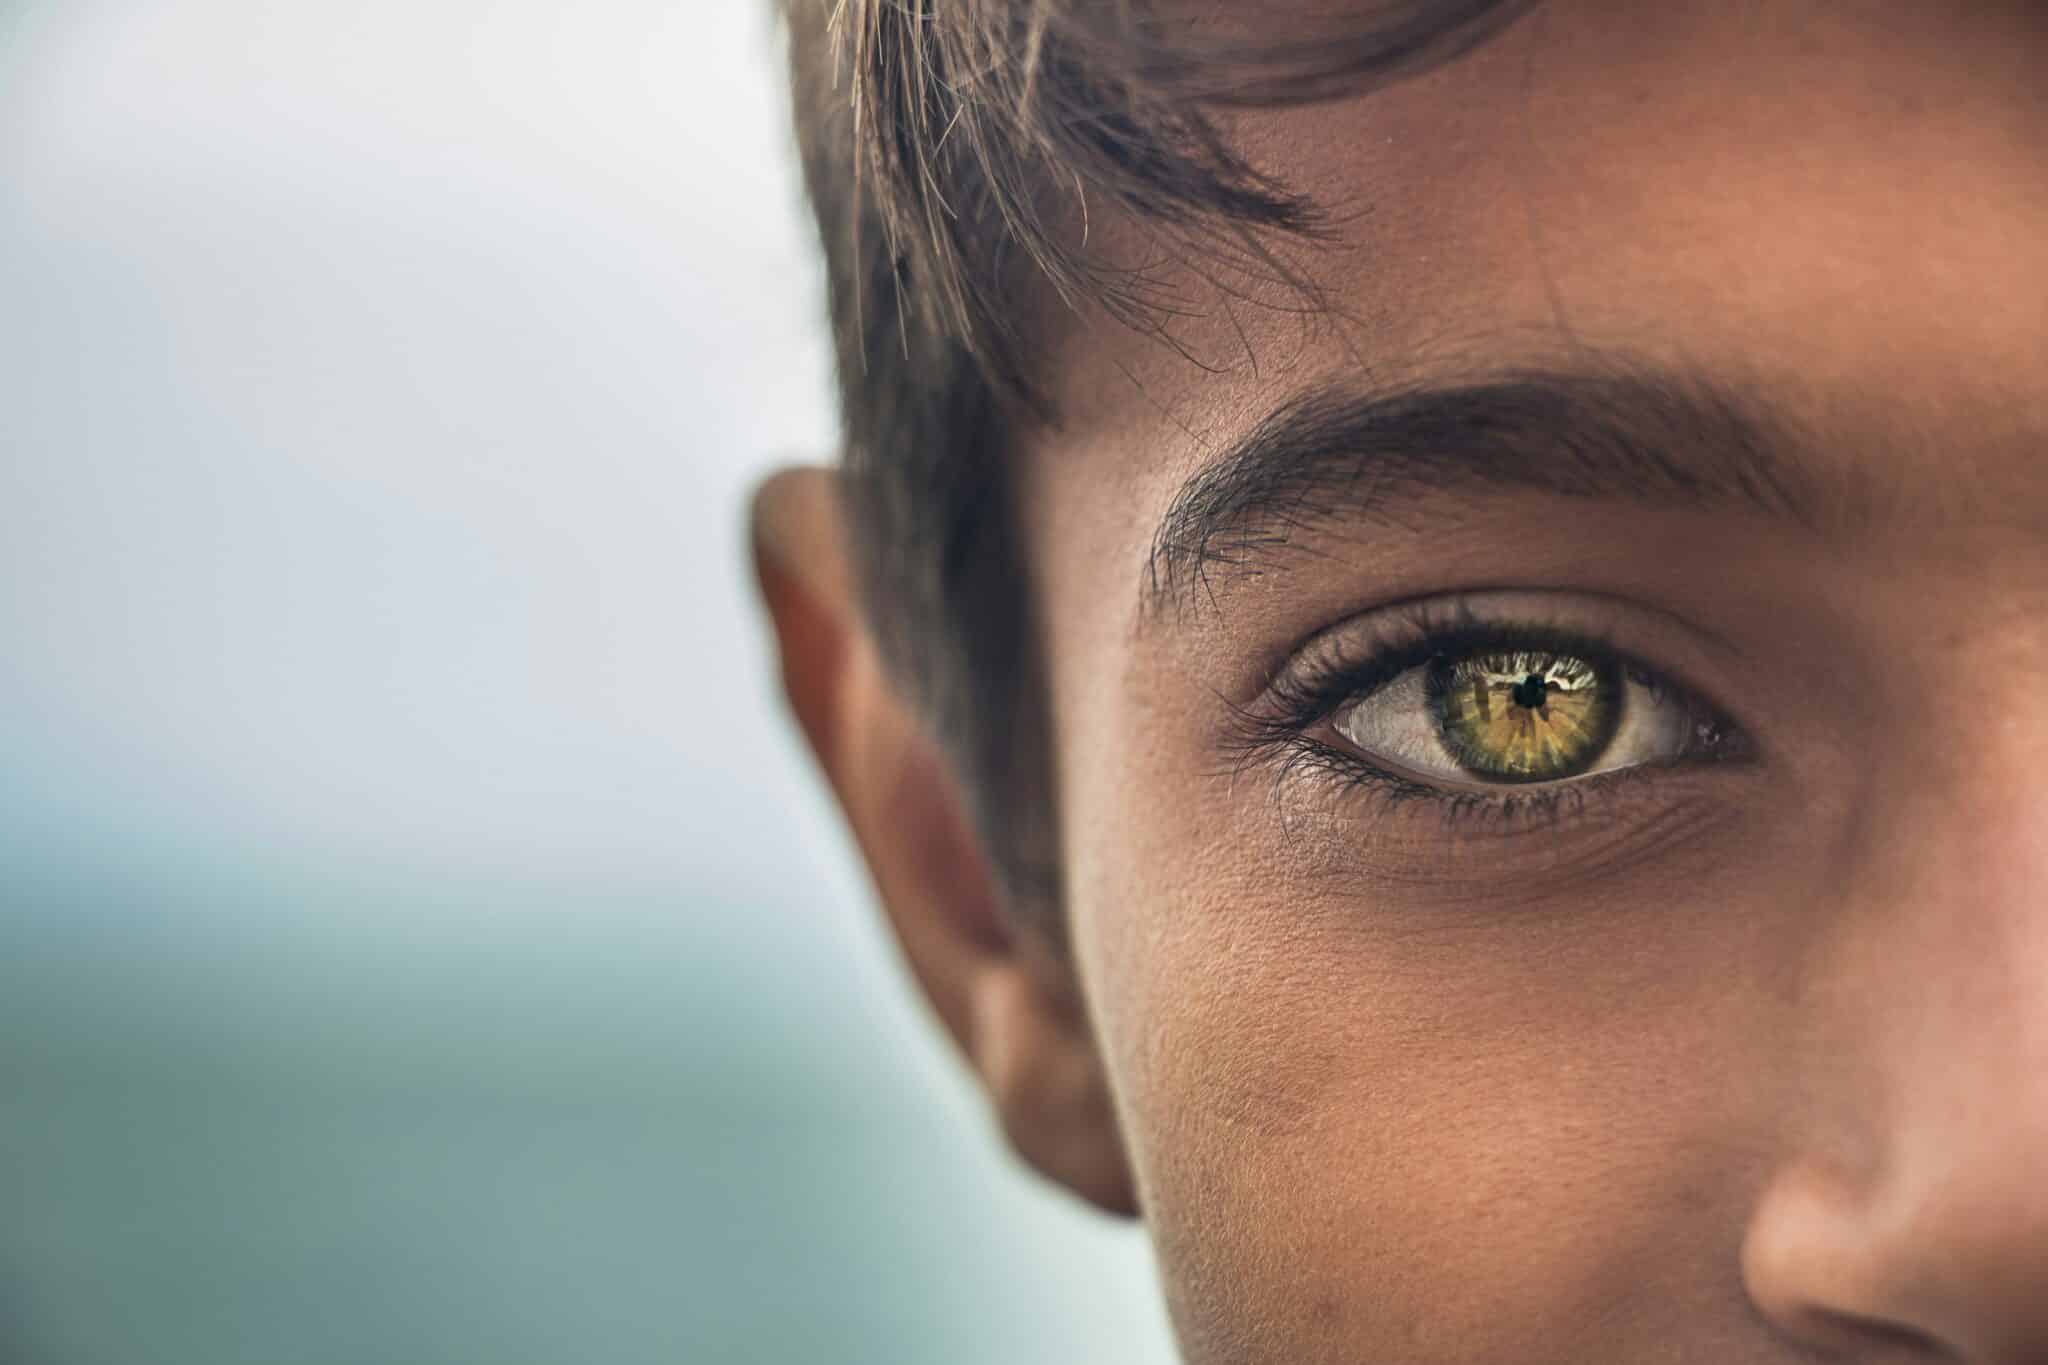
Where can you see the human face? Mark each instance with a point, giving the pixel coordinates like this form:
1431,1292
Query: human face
1718,337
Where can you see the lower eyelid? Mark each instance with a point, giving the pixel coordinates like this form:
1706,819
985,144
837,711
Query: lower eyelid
1320,784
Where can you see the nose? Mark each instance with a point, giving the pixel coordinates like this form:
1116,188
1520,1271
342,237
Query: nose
1907,1219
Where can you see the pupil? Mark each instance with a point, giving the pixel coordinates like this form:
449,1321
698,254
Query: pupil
1530,692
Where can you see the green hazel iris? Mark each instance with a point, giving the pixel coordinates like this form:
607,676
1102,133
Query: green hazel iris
1525,715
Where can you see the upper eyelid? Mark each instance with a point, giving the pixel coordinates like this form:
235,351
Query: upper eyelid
1393,662
1555,618
1643,674
1461,600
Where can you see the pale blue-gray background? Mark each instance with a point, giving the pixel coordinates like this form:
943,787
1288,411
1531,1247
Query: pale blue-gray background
422,939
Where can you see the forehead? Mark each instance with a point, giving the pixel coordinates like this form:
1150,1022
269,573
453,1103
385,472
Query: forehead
1840,203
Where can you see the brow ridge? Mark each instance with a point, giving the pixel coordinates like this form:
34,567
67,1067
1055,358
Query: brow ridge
1334,454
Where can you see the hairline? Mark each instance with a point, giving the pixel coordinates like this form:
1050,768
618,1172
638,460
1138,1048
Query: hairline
933,411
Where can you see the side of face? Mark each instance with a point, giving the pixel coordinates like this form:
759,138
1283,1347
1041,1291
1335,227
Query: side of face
1739,1053
1710,1021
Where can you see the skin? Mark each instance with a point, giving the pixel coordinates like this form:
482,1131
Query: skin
1736,1062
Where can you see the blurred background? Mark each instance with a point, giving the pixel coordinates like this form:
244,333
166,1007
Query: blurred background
421,939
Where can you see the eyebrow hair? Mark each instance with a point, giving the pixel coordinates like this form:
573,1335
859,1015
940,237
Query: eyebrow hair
1334,455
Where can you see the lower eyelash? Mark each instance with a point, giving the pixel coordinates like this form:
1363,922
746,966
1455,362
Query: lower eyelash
1295,756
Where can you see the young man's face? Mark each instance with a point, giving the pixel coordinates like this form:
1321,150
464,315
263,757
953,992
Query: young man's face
1558,860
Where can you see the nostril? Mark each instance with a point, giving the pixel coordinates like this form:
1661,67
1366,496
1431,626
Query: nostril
1861,1338
1828,1275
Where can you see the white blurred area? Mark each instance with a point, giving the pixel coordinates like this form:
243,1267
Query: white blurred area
420,938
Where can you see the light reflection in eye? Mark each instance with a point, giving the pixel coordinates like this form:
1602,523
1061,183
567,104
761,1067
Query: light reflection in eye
1524,715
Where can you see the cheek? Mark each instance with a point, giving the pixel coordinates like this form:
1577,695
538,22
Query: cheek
1362,1134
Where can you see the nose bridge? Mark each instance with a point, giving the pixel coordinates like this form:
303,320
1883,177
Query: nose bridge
1919,1199
1954,1024
1946,919
1943,917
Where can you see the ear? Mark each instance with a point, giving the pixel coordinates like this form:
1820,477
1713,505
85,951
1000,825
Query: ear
1003,993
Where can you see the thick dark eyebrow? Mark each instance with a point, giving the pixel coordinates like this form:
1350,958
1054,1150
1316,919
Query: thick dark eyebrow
1336,456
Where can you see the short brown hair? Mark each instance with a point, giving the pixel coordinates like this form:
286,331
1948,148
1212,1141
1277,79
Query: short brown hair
954,151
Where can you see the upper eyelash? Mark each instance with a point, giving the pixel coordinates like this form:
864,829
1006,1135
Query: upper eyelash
1302,693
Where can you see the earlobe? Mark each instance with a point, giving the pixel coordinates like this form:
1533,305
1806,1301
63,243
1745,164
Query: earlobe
1006,1000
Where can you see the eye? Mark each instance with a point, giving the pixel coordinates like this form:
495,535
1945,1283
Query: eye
1521,716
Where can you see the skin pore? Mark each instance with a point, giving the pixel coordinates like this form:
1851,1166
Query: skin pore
1739,1053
